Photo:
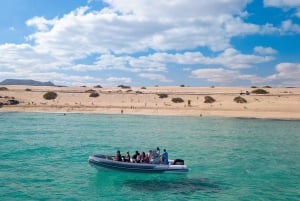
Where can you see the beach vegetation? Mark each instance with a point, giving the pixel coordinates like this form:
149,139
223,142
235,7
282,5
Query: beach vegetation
129,91
124,86
50,95
3,89
259,91
209,99
182,85
268,87
177,100
143,88
94,94
83,86
163,95
27,89
240,99
254,87
90,91
98,86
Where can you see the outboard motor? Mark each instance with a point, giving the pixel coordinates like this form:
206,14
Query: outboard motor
178,162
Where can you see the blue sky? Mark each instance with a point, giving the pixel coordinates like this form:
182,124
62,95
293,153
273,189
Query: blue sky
147,43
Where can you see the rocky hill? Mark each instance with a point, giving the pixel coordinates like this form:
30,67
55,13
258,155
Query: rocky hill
25,82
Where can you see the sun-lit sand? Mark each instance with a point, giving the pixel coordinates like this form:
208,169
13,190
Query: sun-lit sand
280,103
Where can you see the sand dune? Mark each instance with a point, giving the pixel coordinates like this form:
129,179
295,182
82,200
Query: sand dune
281,103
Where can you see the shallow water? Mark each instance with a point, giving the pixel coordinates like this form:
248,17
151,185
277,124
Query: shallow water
44,157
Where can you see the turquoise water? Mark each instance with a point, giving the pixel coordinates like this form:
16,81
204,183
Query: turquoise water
44,157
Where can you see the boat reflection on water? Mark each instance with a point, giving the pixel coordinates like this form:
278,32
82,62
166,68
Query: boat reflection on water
182,185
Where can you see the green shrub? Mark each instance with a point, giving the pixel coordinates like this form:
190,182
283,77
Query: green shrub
3,89
98,86
163,95
94,94
177,100
254,87
209,99
240,100
124,86
50,95
28,89
143,88
90,91
259,91
267,87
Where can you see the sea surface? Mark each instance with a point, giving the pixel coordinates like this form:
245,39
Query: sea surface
44,157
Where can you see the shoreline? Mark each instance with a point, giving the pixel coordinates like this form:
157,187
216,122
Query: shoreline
279,103
148,114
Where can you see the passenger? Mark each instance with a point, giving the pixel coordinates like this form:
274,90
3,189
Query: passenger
150,156
165,158
157,152
156,156
138,157
144,158
127,157
118,156
134,157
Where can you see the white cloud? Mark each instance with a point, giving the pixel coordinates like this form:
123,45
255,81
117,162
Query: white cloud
282,3
25,56
117,80
265,50
132,27
152,76
219,75
288,26
287,75
41,23
224,76
288,71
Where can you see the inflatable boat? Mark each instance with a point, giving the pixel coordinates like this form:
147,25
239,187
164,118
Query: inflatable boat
174,166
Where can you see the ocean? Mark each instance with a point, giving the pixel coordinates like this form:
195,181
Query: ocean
43,156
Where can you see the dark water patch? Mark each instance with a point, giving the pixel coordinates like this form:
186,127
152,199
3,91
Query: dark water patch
185,186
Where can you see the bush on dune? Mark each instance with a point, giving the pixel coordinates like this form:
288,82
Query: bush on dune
50,95
240,100
94,94
177,100
209,99
162,95
259,91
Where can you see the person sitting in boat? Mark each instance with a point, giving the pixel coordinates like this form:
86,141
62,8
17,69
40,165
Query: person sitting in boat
144,158
165,157
136,158
150,156
127,157
157,152
156,156
118,156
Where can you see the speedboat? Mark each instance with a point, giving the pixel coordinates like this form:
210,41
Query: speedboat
174,166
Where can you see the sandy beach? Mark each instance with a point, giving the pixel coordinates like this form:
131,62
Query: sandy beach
279,103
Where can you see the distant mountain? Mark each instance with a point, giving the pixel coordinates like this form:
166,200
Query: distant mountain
25,82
